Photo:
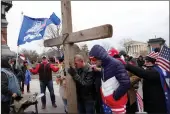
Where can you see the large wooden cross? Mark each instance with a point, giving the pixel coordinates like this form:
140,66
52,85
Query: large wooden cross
100,32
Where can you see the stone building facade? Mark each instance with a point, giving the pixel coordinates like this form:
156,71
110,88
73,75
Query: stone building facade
136,48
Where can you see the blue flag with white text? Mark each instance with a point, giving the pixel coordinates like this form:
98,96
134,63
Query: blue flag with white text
27,77
32,29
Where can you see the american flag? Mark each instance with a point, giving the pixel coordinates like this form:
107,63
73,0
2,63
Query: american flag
163,59
153,55
139,102
22,56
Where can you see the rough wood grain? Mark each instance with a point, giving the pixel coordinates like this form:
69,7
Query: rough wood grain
100,32
69,52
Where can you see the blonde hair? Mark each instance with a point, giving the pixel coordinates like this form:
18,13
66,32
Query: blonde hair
79,57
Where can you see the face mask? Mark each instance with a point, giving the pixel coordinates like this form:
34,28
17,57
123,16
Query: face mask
44,61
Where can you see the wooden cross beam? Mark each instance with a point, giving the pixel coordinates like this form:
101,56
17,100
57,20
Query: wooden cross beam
100,32
70,49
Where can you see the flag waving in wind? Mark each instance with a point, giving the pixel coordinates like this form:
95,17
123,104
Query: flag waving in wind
163,67
163,59
34,28
55,19
31,29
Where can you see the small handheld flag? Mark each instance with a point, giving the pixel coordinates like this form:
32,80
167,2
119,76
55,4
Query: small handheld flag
22,56
139,102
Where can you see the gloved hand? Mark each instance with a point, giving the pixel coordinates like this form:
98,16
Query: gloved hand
72,71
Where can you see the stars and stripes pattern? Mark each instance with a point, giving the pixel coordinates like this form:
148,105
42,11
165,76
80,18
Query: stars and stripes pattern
109,110
165,82
106,109
22,56
153,55
139,102
163,59
163,67
110,105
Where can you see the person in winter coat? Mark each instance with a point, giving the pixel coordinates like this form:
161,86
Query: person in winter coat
140,61
45,76
153,94
115,81
132,104
19,73
83,76
24,68
97,73
5,103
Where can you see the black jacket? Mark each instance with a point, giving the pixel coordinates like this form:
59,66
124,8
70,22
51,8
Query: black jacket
24,68
45,72
140,62
85,84
19,73
98,76
4,85
98,97
153,94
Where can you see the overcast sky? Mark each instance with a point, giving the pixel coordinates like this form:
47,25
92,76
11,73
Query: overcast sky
138,20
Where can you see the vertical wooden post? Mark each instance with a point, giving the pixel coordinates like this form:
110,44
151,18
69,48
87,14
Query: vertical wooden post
69,52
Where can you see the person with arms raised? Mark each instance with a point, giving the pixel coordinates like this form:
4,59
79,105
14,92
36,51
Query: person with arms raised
45,75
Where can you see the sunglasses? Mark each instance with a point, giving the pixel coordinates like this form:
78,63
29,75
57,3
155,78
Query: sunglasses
93,59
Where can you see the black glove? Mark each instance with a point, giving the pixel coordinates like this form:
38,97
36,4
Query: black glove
72,71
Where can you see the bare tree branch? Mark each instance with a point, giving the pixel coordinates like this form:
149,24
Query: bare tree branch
126,43
30,54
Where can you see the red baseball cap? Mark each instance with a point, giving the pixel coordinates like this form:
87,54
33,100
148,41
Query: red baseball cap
113,52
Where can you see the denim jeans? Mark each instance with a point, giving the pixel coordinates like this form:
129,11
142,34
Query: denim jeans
49,85
65,104
86,107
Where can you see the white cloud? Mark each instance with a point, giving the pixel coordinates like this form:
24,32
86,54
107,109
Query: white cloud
139,20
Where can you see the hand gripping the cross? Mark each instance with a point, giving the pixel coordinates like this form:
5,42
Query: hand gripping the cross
72,71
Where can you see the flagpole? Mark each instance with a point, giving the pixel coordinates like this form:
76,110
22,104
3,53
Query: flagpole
17,58
22,17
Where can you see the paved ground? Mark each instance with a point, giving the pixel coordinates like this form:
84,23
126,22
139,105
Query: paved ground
35,87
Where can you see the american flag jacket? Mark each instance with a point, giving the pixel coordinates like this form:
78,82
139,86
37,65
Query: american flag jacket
115,82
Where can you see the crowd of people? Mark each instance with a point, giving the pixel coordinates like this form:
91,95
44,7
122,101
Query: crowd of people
105,84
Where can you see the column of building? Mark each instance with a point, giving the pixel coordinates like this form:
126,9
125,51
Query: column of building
5,51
